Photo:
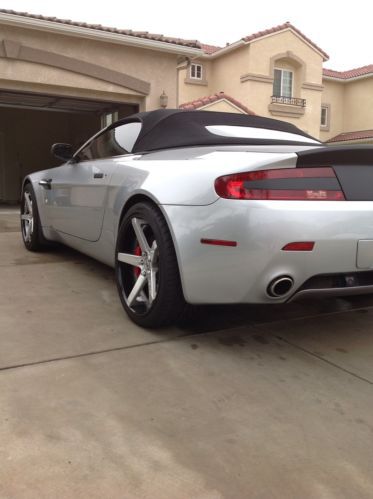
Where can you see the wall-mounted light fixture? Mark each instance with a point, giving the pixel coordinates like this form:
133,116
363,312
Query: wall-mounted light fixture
163,99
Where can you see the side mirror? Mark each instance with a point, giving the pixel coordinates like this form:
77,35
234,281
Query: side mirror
62,151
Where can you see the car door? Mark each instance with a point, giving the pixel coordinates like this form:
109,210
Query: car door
77,193
76,199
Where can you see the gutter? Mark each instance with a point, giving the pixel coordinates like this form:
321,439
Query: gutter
94,34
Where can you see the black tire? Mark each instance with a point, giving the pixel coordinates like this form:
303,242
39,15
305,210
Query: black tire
32,235
158,270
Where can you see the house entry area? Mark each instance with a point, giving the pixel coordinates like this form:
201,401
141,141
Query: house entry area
30,123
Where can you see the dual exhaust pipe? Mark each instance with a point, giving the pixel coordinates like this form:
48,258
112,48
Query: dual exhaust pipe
280,286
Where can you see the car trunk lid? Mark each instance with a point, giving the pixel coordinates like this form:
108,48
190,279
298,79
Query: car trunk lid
353,166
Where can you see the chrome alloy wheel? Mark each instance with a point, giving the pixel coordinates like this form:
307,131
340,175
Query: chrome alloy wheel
27,217
141,268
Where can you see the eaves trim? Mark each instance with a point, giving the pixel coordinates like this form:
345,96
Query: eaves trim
92,34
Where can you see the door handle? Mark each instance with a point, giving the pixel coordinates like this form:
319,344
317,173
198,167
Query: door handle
98,175
46,183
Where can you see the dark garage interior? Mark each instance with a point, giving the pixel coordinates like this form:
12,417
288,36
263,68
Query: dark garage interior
31,123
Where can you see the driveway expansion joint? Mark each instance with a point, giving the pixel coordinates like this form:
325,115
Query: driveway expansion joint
319,357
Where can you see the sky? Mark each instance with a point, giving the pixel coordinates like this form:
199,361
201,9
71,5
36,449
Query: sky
343,30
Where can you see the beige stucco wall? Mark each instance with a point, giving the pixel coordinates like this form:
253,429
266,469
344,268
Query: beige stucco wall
284,50
351,106
226,72
190,90
333,96
262,50
257,60
358,105
155,67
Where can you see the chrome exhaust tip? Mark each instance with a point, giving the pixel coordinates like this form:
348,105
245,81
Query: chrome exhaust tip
280,286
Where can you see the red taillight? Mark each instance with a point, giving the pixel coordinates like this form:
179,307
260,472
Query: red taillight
299,246
312,184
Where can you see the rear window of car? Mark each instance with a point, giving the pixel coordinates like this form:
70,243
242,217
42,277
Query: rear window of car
245,132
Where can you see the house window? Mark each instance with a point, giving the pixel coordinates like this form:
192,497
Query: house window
324,116
196,71
283,83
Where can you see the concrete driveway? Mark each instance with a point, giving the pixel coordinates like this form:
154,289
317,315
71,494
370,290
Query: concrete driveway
237,402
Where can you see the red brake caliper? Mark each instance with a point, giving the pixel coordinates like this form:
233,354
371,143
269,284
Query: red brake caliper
136,270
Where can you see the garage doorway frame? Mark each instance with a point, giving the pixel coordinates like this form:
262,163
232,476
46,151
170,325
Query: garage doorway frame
2,169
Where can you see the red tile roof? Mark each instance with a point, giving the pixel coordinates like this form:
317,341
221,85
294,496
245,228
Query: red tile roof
351,73
128,32
204,101
282,27
209,49
347,136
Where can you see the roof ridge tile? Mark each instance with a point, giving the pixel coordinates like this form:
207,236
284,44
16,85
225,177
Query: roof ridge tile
356,135
350,73
281,27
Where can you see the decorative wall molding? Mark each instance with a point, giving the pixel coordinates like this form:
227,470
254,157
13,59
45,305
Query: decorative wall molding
14,50
285,110
296,61
191,81
313,86
256,77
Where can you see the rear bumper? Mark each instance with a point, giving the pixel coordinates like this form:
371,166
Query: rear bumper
351,283
241,274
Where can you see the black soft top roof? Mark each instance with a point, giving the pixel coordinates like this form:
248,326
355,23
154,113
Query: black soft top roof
168,128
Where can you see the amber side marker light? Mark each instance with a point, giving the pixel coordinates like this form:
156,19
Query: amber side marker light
219,242
299,246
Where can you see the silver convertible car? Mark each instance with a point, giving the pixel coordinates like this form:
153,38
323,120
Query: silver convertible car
207,208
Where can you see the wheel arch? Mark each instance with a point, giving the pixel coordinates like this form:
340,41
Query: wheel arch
26,180
134,199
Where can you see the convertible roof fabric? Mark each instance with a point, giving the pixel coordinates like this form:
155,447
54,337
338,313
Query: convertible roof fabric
168,128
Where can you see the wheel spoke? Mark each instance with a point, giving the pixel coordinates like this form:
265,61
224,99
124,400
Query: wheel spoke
154,252
152,285
28,203
136,224
28,232
136,290
134,260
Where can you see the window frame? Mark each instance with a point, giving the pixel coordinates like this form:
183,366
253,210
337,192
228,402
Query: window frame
196,65
95,137
327,116
109,118
281,82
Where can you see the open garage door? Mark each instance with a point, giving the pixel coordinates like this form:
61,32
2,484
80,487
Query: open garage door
31,123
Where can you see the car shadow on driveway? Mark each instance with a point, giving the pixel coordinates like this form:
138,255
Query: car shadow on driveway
199,319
